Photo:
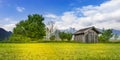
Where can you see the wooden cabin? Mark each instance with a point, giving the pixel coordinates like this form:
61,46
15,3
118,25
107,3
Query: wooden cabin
87,35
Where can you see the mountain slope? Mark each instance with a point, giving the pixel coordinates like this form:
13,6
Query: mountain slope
4,34
116,31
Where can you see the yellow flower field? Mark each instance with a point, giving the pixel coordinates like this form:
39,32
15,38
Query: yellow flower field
59,51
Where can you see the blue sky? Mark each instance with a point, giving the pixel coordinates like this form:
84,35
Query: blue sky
60,11
8,7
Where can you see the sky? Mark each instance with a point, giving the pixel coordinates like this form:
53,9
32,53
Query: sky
66,14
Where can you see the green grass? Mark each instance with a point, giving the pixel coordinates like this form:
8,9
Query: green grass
59,51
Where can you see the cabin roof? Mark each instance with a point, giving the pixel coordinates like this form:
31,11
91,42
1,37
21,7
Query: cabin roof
81,31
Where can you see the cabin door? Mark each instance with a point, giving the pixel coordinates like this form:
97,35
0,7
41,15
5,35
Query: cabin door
88,38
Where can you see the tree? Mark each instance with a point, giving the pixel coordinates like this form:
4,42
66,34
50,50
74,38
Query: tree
52,38
50,29
33,27
68,36
116,36
62,35
65,35
106,35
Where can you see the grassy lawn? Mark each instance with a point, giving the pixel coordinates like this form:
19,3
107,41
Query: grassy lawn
59,51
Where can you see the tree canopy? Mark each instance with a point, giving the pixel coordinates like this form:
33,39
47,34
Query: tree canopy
106,35
65,35
33,27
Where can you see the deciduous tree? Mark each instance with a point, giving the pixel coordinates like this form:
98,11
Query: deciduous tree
33,27
106,35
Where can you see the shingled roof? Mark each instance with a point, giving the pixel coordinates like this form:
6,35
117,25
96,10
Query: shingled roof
81,31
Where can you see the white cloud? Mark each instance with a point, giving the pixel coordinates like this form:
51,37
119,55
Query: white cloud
8,27
8,24
50,16
7,21
68,17
20,9
106,15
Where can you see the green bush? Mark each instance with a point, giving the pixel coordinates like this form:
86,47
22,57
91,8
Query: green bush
65,35
106,35
19,39
68,36
52,38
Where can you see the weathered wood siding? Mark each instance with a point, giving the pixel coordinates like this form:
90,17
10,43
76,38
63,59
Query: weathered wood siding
79,38
90,36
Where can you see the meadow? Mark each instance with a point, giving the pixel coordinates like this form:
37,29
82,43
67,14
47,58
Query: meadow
59,51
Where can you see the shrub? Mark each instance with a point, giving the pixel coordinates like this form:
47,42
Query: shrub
106,35
52,38
65,35
19,39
